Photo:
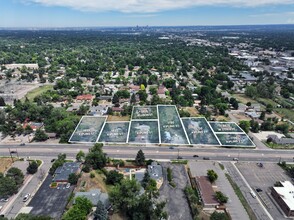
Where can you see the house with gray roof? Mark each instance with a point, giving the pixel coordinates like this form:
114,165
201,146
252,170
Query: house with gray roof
155,172
283,141
62,173
94,196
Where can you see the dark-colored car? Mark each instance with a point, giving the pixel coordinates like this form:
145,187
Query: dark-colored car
258,190
195,155
179,157
206,158
53,160
171,148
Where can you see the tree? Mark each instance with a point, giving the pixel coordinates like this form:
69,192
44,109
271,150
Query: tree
15,174
222,198
2,102
40,135
80,156
113,177
79,210
251,91
96,158
115,99
254,126
33,167
133,98
218,216
8,187
212,175
245,125
145,180
101,212
269,108
262,116
140,158
73,178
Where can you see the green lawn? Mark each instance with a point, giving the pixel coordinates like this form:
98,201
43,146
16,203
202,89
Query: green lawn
286,113
38,91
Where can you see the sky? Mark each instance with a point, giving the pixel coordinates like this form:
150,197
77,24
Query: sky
97,13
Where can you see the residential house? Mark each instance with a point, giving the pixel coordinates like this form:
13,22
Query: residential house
94,196
155,172
62,173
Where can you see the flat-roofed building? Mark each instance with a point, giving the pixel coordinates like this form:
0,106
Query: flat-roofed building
284,196
206,192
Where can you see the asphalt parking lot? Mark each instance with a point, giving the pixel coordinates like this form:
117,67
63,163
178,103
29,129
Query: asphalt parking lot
264,178
177,205
50,202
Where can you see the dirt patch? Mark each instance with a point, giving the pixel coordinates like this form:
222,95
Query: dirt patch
193,111
221,118
241,117
118,118
117,216
86,183
5,163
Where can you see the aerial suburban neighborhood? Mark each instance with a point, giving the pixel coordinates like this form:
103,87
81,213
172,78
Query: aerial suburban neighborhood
147,123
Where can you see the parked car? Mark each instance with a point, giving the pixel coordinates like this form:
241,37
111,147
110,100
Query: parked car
26,197
258,190
67,185
53,160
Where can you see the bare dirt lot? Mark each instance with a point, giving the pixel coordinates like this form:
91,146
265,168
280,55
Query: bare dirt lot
5,163
118,118
192,110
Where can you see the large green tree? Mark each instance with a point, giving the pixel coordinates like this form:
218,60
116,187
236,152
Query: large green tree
140,158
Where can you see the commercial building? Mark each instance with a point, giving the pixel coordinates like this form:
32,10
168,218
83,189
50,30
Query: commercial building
284,196
62,173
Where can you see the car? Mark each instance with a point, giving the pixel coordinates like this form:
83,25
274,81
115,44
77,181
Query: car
258,190
235,159
26,197
53,160
171,148
22,144
4,200
206,158
179,157
195,155
253,194
67,185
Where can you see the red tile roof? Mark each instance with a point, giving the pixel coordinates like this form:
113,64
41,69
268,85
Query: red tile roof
206,190
85,97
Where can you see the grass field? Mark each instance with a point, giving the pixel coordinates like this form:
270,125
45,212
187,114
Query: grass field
192,110
38,91
244,99
286,113
5,163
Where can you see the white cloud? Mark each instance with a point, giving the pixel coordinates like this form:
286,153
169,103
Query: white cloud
151,6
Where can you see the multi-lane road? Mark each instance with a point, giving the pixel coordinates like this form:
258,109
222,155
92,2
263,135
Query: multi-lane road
153,152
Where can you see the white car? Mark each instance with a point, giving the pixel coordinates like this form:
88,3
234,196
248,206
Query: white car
26,197
68,185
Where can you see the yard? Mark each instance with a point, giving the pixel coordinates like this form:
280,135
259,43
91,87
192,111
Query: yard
192,110
5,163
38,91
244,99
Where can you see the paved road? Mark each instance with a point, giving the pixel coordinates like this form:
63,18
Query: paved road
155,152
31,185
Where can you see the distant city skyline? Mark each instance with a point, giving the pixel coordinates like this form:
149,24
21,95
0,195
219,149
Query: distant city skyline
97,13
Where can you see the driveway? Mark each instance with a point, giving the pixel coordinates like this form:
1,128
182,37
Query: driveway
177,205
